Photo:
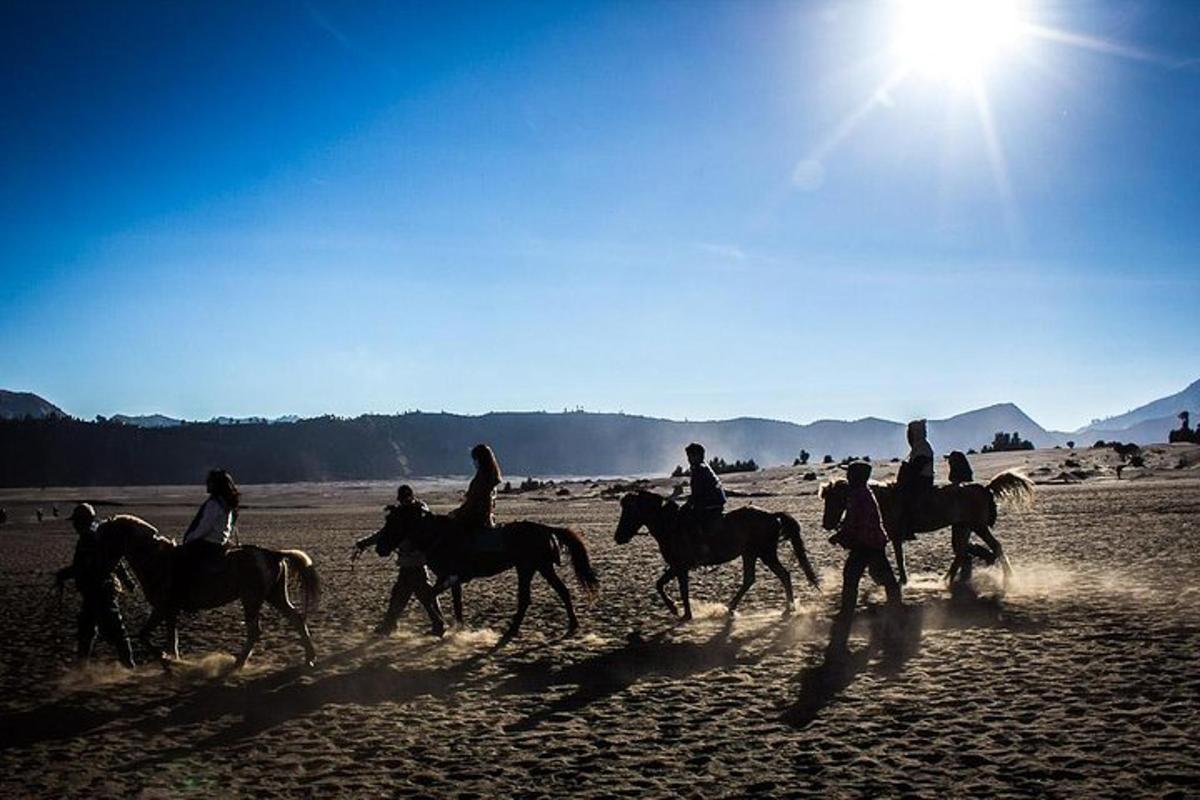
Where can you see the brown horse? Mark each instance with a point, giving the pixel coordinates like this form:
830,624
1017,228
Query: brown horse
964,508
254,575
456,557
750,533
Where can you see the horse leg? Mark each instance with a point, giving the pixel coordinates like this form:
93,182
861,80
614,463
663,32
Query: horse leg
172,651
748,563
456,596
771,559
661,586
292,614
152,622
991,541
524,579
429,602
683,593
564,594
251,610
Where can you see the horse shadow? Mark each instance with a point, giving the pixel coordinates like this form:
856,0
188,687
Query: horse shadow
892,643
609,673
262,704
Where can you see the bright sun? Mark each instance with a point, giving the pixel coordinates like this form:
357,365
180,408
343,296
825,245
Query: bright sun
956,40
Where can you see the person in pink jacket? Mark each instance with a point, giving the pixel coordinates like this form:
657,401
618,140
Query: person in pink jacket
861,532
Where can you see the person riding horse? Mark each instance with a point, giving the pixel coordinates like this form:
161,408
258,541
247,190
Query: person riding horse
478,508
413,577
205,540
914,479
703,509
96,574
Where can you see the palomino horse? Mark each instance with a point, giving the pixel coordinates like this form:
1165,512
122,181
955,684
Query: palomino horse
457,557
251,574
751,533
966,508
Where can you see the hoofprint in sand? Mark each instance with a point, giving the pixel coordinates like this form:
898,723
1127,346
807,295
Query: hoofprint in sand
1081,677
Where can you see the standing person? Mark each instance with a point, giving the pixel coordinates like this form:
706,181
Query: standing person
478,508
706,503
914,479
206,537
861,533
413,578
96,575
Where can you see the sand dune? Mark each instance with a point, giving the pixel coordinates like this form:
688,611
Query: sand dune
1080,677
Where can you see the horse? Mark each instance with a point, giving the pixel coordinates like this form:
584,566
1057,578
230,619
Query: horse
456,556
966,508
251,574
751,533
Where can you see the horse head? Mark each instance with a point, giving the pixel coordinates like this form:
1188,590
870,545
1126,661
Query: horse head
834,495
640,509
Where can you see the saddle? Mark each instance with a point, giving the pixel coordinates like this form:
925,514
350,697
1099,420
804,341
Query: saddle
485,541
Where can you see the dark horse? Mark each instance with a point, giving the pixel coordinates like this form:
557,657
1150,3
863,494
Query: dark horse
750,533
253,575
965,508
525,546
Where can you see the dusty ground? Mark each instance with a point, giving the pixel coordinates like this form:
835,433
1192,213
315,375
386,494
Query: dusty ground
1081,679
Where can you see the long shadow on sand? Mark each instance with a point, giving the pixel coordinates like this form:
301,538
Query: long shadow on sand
894,644
612,672
262,704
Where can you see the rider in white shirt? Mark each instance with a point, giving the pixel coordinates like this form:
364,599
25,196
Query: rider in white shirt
206,536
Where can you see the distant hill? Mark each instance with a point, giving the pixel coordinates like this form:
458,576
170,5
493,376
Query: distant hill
18,405
1152,414
146,420
74,452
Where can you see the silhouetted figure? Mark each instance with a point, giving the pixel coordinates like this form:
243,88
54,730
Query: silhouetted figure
54,511
3,515
40,514
413,579
205,539
914,479
95,573
703,508
478,508
861,533
960,468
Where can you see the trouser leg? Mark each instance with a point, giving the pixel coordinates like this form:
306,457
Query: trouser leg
852,572
881,573
86,631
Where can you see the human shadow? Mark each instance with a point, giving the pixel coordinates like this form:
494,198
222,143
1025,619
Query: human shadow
262,704
612,672
892,641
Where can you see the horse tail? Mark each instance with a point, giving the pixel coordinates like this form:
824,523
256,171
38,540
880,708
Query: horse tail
1011,487
789,529
580,561
310,584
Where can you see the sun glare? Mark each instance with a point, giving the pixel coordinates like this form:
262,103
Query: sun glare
956,40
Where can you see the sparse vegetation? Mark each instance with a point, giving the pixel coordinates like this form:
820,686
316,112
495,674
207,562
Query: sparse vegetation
720,466
1007,442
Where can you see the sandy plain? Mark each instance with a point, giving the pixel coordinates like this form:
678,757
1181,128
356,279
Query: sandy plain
1081,677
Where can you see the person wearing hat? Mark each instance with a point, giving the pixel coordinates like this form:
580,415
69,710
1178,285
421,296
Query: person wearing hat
861,533
413,579
706,503
96,574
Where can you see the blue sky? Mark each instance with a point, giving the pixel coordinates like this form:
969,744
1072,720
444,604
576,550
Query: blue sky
663,208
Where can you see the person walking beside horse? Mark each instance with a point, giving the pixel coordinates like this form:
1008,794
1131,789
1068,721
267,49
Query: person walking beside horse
96,573
413,577
861,533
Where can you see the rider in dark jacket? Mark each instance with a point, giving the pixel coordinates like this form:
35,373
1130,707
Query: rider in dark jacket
95,575
706,503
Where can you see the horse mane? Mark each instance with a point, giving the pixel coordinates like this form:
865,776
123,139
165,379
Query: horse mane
136,525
